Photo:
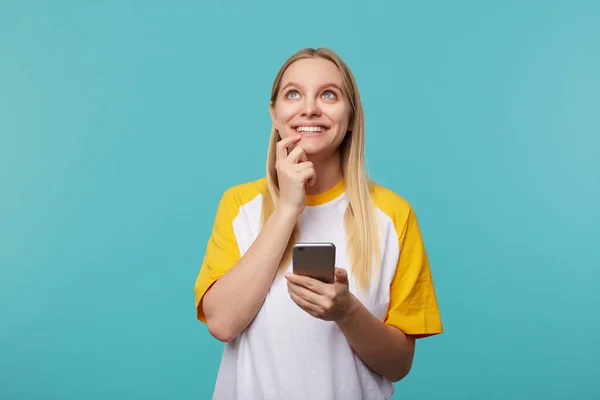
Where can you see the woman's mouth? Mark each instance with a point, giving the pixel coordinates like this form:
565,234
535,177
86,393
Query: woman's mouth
310,130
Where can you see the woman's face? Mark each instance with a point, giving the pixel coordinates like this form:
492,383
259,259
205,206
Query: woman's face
311,102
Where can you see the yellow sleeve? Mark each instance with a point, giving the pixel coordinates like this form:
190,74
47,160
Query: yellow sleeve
413,305
222,250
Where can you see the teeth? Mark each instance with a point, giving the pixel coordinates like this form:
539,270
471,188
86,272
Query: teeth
310,129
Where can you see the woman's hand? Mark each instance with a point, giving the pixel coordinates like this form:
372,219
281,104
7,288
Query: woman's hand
329,302
294,172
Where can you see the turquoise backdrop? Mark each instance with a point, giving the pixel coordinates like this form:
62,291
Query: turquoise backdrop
122,122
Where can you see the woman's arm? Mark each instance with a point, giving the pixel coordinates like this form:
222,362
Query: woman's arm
234,299
383,348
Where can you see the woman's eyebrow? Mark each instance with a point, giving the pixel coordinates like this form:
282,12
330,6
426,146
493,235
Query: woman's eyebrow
290,84
331,84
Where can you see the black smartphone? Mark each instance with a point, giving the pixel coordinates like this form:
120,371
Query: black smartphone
316,260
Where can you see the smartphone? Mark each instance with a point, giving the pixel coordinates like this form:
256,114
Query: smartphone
316,260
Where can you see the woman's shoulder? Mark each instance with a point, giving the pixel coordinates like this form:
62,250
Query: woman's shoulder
244,192
390,202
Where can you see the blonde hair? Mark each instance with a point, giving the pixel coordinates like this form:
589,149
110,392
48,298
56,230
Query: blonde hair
360,219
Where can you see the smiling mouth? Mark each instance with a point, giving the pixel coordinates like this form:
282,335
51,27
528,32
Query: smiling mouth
310,130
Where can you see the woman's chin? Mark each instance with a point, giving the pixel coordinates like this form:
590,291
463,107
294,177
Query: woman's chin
315,153
310,148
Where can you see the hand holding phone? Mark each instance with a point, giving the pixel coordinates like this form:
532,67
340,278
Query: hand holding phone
315,260
330,302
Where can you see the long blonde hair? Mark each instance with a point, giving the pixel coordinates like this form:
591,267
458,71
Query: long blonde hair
360,219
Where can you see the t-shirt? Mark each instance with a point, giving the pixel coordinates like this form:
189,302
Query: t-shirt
285,353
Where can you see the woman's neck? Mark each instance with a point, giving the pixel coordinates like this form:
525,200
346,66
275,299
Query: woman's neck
328,172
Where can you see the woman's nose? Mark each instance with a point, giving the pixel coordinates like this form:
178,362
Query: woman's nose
310,108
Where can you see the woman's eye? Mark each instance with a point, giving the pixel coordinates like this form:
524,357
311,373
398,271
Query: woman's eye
329,95
292,94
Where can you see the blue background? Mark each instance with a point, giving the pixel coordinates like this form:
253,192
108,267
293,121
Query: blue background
121,123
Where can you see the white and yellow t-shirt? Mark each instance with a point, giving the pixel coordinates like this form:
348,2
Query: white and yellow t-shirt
285,353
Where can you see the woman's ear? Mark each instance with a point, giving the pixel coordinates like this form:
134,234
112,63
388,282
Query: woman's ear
350,121
272,112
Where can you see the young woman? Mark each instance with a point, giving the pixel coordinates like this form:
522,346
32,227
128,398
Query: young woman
290,336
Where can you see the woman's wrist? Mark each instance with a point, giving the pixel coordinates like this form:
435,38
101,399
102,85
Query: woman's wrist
287,212
352,307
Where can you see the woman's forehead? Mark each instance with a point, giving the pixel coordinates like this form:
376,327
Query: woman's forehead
312,72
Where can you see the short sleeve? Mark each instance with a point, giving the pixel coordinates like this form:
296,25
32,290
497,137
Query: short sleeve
222,250
413,304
